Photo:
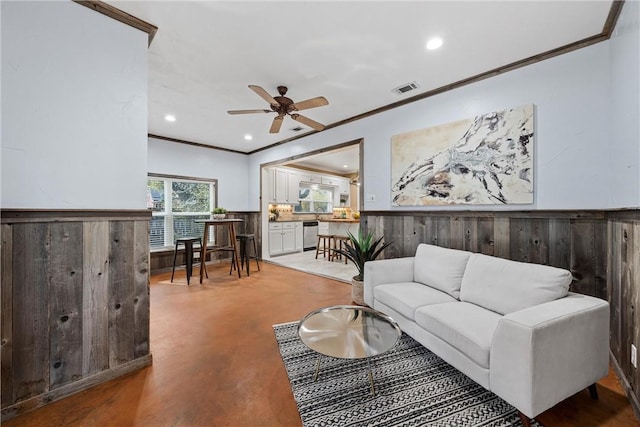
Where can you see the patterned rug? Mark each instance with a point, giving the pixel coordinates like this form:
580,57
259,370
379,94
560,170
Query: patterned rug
414,387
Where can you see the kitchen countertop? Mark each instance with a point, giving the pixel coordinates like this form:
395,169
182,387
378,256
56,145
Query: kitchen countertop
347,220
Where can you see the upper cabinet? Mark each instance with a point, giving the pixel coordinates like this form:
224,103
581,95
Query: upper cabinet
287,185
283,185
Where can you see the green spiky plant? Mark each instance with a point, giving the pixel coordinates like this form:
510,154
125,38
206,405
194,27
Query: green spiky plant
361,249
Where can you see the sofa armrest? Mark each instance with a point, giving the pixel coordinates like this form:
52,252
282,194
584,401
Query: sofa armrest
386,271
543,354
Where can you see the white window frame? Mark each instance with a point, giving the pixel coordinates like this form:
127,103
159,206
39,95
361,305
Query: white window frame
169,239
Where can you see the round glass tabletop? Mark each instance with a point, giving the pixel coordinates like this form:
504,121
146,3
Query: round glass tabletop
348,332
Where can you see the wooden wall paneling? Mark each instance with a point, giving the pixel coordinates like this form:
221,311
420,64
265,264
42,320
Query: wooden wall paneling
121,289
613,287
95,297
141,288
485,236
626,311
456,233
429,230
634,257
470,234
65,303
583,256
394,232
443,231
539,241
6,316
520,232
411,238
502,237
31,243
559,242
601,260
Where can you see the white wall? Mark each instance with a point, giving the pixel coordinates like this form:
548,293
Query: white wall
230,169
74,109
571,96
625,108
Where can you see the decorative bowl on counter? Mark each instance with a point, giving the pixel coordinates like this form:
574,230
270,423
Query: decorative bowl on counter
219,216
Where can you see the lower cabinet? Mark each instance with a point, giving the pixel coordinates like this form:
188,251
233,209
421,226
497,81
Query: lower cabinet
285,237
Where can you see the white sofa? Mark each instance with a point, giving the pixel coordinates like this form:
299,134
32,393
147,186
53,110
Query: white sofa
512,327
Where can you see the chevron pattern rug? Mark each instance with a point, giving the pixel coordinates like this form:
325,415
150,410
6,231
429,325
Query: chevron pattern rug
414,387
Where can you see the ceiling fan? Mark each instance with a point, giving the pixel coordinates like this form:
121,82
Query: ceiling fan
285,106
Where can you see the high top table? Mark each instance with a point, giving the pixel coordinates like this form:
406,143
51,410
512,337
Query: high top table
231,247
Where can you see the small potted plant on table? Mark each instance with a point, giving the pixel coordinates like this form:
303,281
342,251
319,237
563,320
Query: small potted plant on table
359,250
219,213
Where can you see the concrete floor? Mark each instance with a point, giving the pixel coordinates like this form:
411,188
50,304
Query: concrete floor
216,361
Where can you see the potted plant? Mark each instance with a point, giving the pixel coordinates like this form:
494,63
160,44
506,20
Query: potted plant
219,213
359,250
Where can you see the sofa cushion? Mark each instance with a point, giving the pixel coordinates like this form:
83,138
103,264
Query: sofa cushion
506,286
406,297
440,268
464,326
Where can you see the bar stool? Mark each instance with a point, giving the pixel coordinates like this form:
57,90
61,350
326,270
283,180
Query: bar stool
188,254
338,241
244,240
326,240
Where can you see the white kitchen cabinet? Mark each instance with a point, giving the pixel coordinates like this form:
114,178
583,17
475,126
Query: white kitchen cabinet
344,186
330,180
287,186
270,186
311,178
285,237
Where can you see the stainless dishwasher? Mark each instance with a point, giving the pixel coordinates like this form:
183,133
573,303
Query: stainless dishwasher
309,235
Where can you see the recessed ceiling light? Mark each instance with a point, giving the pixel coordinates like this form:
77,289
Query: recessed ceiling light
170,118
434,43
345,166
248,137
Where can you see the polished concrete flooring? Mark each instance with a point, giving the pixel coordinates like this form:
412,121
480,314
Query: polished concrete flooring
216,361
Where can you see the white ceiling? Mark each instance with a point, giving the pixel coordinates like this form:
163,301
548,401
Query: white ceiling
205,53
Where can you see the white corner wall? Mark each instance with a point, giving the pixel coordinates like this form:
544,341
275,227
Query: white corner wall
571,97
625,108
230,169
74,109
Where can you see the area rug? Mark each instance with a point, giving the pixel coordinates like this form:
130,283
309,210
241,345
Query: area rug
414,387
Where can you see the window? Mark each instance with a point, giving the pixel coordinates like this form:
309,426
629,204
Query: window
176,202
314,198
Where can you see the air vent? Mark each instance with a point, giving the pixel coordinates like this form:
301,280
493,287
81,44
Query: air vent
400,90
297,129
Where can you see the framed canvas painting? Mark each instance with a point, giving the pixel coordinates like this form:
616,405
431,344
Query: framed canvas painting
483,160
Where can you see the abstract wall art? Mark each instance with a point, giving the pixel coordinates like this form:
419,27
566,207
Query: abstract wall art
484,160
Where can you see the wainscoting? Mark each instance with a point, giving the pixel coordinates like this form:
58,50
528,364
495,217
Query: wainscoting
75,302
600,248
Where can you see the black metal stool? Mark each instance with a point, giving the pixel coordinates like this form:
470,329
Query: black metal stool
244,240
188,254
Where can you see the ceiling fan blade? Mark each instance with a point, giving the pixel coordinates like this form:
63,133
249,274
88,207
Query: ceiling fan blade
307,121
264,95
318,101
276,124
248,111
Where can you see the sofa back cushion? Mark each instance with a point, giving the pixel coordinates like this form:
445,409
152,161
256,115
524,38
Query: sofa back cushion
440,268
506,286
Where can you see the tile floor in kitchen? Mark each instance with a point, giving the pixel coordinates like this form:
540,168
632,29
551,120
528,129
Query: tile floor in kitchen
306,261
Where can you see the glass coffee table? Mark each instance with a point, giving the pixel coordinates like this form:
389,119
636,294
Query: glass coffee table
348,332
